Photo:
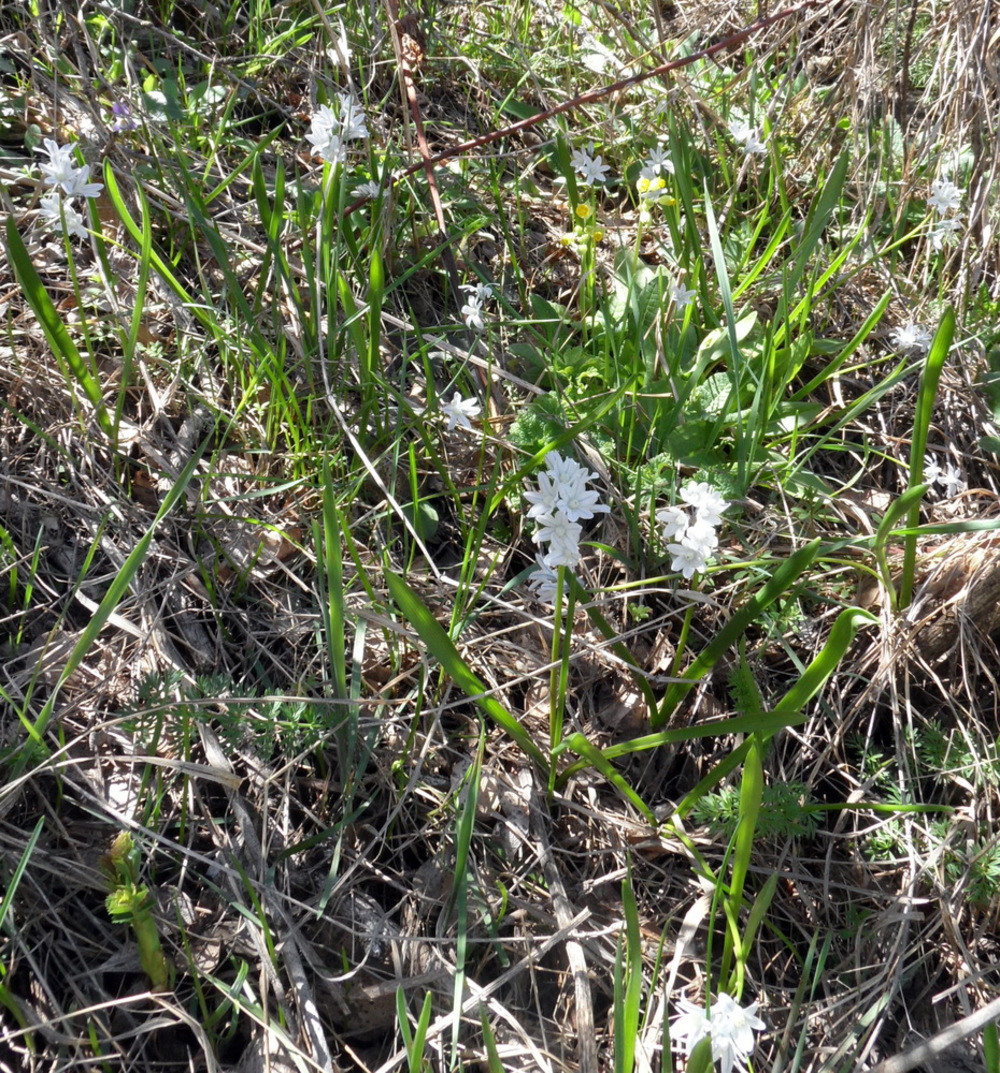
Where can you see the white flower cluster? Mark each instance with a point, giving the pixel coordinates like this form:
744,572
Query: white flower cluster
329,132
692,527
945,197
472,311
746,136
730,1026
912,337
70,180
589,168
561,501
950,478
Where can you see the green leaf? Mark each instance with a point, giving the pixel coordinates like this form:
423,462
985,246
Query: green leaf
55,330
443,649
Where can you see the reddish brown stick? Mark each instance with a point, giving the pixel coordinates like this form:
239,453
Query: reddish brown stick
597,94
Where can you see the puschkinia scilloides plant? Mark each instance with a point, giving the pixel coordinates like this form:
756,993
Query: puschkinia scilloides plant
690,530
560,502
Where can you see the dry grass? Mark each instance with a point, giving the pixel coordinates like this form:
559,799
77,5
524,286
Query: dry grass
295,888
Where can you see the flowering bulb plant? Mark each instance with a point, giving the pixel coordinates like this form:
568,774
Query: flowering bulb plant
329,130
68,180
561,501
692,527
730,1026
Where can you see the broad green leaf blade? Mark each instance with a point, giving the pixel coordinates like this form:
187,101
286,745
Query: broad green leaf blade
921,424
443,649
55,330
781,581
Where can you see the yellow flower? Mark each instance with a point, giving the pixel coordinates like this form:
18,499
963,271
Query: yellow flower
584,211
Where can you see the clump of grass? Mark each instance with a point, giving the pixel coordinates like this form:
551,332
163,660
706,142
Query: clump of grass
285,425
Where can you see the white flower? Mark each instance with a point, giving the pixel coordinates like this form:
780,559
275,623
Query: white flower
687,560
566,470
341,52
702,536
482,291
80,186
558,529
932,472
951,480
944,232
730,1026
690,1027
705,500
544,581
324,136
912,337
577,501
945,196
659,161
674,521
546,499
459,411
369,189
328,132
683,296
746,136
52,208
61,167
472,313
62,171
352,118
590,168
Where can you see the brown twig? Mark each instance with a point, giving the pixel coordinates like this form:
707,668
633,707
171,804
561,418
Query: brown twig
596,94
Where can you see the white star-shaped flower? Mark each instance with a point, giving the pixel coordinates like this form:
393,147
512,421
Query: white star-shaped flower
687,560
460,411
578,501
659,161
746,136
674,520
706,501
590,168
683,296
913,337
945,196
730,1026
52,208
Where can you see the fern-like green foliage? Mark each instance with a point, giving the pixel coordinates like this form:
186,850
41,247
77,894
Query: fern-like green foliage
786,811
